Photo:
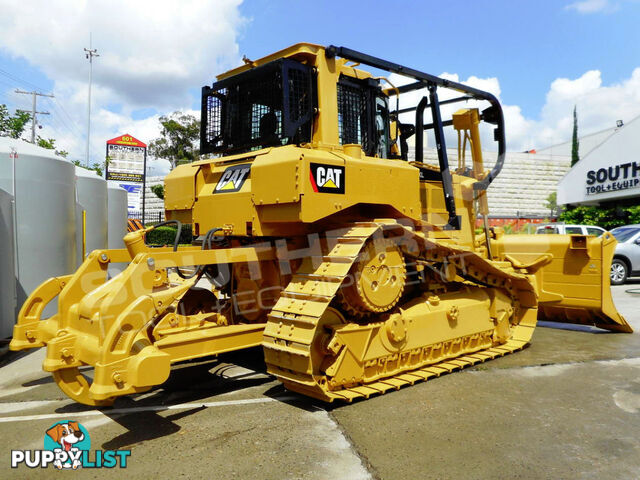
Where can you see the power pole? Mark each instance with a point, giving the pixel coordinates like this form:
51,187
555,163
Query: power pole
89,54
34,112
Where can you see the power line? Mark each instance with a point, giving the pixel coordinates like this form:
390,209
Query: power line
8,98
4,82
71,126
20,80
13,98
75,128
34,111
72,121
59,118
58,127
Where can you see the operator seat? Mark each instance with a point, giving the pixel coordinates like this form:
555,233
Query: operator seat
268,129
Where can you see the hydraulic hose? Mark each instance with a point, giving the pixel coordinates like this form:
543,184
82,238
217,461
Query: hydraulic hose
176,241
178,224
206,245
206,242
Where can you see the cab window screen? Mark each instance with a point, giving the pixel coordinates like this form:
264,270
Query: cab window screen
266,106
351,107
356,113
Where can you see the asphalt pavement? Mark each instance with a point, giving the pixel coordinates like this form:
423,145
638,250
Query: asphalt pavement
566,407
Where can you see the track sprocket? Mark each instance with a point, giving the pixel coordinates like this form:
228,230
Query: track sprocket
376,280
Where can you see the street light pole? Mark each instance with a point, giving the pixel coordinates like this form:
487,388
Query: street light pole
89,54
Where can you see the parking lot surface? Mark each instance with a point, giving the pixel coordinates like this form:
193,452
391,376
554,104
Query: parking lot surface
566,407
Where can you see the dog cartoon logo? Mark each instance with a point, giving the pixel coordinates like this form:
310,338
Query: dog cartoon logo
67,445
67,440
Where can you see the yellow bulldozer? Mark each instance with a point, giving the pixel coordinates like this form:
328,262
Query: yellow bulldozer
357,268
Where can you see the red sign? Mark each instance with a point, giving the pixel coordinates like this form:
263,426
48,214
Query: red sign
126,139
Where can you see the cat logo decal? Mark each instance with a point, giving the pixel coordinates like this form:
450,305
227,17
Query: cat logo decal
327,178
233,178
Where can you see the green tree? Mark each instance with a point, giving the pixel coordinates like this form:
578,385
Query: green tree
96,167
575,143
12,125
177,143
552,203
606,218
50,144
158,190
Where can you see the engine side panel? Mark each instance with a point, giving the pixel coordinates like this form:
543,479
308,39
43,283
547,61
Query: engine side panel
290,191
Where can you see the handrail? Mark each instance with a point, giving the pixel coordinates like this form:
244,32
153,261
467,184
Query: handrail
493,114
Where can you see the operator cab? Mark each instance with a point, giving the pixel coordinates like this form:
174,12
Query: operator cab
275,104
363,115
308,95
270,105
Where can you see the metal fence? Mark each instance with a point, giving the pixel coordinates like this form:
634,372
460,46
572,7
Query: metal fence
149,217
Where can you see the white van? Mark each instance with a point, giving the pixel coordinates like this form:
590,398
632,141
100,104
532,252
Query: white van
562,229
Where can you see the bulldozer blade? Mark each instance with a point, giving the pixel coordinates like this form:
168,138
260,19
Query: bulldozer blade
572,274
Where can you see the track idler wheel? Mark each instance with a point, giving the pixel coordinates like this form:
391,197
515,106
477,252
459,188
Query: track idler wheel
377,279
76,386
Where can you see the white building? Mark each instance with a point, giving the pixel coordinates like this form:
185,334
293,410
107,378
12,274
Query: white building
609,173
527,179
154,206
523,186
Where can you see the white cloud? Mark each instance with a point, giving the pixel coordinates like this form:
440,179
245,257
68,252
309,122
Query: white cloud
591,6
598,107
151,55
150,52
518,128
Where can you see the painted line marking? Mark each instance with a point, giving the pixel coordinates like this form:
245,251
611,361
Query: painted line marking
6,392
150,408
8,407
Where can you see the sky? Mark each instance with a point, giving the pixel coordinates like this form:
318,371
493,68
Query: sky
541,58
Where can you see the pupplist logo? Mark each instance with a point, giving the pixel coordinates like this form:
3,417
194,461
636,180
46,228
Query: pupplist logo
67,445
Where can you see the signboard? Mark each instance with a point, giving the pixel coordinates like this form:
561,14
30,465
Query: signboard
134,194
127,157
610,172
619,177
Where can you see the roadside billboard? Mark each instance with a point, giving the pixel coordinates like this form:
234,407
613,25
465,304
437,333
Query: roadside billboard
127,159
